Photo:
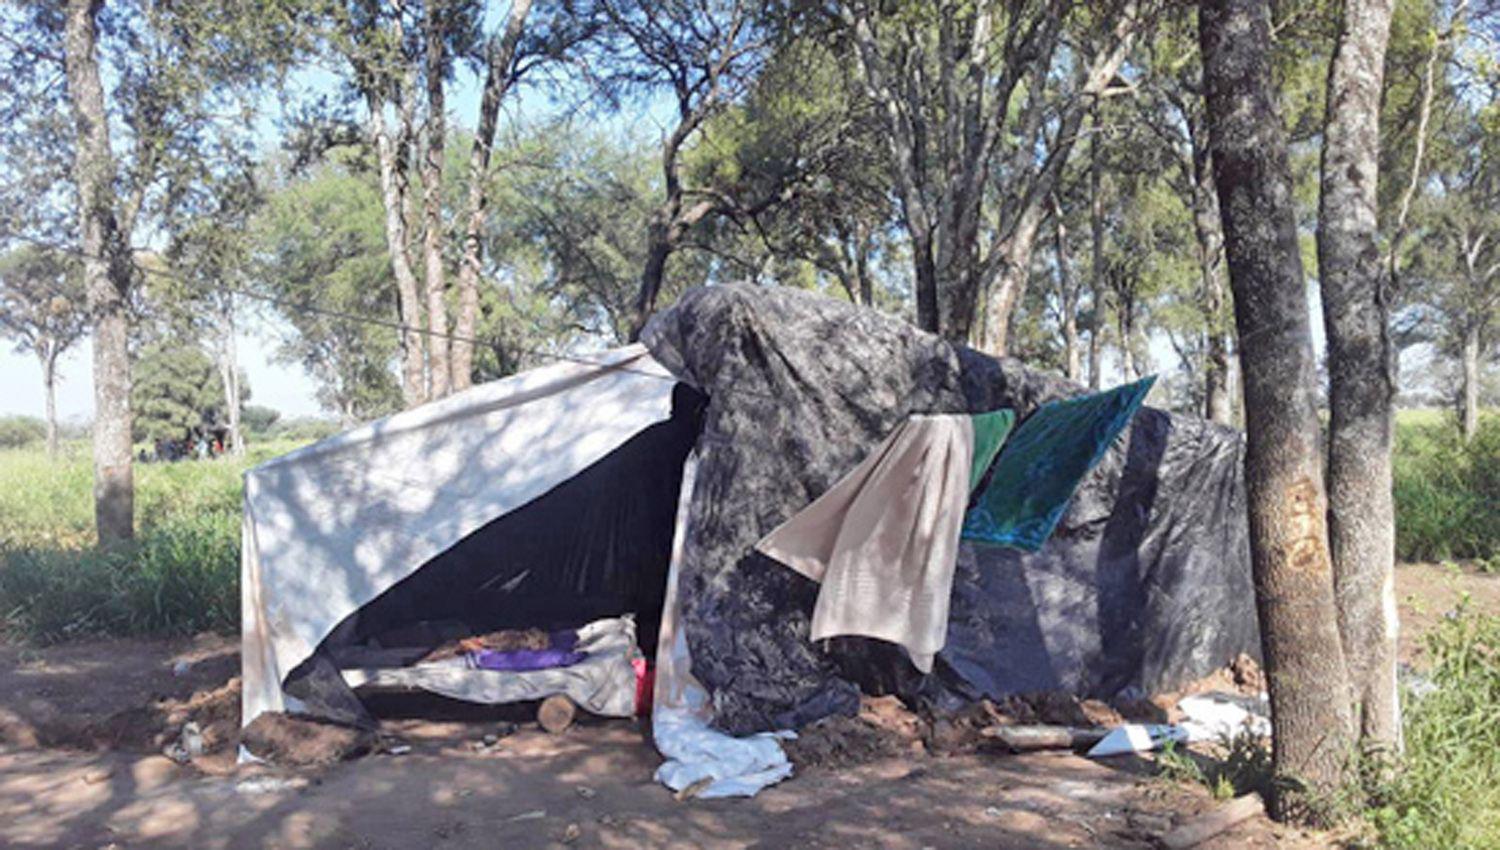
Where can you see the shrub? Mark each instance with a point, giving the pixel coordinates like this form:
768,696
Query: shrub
19,432
1446,792
179,577
305,429
1447,492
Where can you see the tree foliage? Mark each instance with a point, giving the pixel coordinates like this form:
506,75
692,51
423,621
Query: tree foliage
176,392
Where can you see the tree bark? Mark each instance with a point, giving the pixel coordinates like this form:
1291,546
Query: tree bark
1469,402
1096,270
1009,287
107,277
229,377
48,355
1096,354
1283,470
497,81
658,249
1067,294
393,193
434,135
671,220
1361,513
1125,318
1216,401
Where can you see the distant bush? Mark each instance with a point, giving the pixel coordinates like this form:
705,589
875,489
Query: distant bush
306,429
1447,492
259,419
1446,792
19,432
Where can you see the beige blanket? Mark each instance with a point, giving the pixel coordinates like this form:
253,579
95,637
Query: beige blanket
884,539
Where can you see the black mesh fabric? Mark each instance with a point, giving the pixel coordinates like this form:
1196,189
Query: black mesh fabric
1145,583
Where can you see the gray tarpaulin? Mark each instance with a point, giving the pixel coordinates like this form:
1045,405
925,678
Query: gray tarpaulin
1145,582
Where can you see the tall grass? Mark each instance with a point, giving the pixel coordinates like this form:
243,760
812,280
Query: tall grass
180,576
1447,492
1447,790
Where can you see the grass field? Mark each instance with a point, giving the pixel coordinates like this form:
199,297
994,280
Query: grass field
1447,491
179,577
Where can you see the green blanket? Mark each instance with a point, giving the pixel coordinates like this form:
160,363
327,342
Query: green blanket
990,431
1043,462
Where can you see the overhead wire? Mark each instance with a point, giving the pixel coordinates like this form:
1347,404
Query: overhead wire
309,307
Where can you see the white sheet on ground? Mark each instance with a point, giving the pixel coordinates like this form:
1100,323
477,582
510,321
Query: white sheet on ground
602,683
883,540
1217,716
738,767
330,527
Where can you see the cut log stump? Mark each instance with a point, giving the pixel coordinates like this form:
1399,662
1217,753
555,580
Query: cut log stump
556,714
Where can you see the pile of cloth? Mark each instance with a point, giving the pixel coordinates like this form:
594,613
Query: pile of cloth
596,666
513,650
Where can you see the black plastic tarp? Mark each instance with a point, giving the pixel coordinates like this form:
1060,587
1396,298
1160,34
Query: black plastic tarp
1145,583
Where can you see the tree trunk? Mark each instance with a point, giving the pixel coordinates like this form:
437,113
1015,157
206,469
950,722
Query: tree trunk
926,282
1067,295
1469,403
658,249
393,192
1216,402
1096,271
1283,470
229,376
1361,514
1009,287
434,133
497,80
1096,353
48,355
106,271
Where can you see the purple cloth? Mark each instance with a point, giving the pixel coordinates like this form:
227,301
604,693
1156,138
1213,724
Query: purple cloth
564,640
520,660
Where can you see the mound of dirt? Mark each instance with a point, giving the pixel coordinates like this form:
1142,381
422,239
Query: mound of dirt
1060,709
884,728
287,739
129,695
154,725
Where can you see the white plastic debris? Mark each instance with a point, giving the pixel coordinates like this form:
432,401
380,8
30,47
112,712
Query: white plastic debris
270,784
182,668
188,746
1137,738
1218,716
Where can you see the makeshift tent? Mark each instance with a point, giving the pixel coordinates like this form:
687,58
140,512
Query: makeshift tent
551,500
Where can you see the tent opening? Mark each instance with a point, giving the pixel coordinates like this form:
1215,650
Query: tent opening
595,546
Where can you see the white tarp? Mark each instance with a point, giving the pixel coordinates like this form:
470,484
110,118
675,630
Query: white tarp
697,754
329,527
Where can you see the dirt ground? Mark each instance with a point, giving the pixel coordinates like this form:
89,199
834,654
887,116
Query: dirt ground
83,725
